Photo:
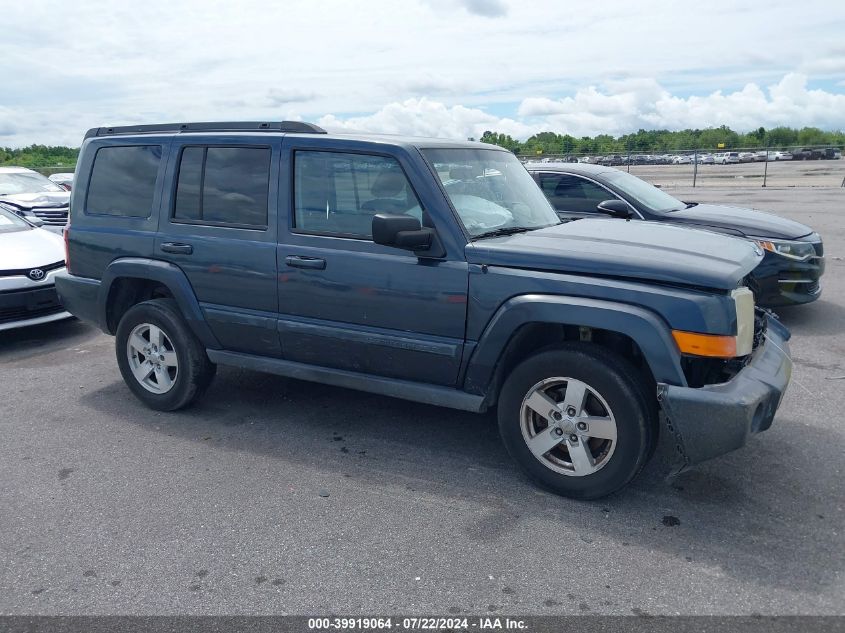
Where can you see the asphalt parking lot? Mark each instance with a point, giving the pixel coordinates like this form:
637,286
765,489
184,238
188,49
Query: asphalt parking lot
278,496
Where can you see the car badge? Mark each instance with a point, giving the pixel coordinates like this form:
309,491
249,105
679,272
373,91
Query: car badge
36,274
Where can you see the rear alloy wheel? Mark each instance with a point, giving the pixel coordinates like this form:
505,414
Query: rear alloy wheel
152,358
161,360
578,419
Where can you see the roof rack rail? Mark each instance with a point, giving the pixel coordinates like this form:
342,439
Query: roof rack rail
231,126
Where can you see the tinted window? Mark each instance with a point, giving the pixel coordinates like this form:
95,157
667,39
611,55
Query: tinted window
338,194
223,185
123,181
571,193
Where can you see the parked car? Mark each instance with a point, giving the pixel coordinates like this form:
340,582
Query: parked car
64,180
30,259
793,264
781,155
746,157
31,195
807,153
831,153
706,159
728,158
430,270
681,159
761,156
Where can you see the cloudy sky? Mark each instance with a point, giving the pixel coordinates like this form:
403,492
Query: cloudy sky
449,68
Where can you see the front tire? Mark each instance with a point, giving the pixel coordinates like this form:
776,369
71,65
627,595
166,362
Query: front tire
577,419
161,360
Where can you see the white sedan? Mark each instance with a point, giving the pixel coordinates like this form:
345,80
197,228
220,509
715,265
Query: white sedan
30,258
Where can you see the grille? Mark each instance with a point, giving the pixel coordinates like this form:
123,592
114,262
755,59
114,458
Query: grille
8,315
23,272
54,217
761,323
17,305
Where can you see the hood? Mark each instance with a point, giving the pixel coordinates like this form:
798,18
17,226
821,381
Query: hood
30,248
42,200
637,250
737,220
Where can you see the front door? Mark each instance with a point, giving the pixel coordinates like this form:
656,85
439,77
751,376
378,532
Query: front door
348,303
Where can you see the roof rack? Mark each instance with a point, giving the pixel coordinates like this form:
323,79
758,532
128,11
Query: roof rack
232,126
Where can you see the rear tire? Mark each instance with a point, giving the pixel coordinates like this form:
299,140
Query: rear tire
161,360
580,446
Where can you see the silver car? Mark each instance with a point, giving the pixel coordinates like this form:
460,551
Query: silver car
30,258
31,195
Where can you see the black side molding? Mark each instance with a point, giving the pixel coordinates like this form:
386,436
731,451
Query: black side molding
395,388
298,127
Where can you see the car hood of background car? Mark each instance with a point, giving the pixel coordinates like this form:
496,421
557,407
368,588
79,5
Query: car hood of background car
29,248
746,221
634,249
42,200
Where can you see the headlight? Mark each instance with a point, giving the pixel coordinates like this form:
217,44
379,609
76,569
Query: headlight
723,346
790,249
744,303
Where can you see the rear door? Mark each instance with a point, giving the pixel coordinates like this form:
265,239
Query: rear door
348,303
219,227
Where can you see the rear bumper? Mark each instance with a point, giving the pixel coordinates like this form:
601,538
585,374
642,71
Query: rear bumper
79,296
716,419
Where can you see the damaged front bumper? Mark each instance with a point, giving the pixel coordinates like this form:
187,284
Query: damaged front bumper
709,421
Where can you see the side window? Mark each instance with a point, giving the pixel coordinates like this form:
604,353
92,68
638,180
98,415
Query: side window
338,194
123,181
223,186
571,193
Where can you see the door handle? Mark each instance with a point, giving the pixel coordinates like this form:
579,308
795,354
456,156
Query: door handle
298,261
174,247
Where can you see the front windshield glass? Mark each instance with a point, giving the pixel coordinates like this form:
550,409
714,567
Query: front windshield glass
491,190
25,182
11,222
645,194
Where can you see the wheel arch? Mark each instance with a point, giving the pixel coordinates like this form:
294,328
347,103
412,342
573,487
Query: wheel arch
128,281
525,324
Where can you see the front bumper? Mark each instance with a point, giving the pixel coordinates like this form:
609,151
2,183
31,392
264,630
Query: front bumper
716,419
779,281
30,306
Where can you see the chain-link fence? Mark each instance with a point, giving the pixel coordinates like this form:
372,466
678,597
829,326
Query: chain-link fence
750,167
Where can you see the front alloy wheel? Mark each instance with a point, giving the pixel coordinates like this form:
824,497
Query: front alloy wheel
579,419
568,426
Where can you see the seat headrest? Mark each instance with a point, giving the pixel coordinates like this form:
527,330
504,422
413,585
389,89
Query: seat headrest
388,184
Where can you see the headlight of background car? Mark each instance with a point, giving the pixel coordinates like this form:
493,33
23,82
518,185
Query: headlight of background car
792,250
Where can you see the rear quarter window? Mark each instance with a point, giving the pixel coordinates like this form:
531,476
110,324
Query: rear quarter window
123,181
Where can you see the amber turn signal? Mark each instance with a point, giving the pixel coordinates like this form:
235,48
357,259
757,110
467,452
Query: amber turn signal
705,344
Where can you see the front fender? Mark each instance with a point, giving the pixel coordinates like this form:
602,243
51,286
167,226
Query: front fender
168,275
644,327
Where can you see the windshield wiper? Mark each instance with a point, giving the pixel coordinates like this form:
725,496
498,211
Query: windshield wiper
690,205
505,230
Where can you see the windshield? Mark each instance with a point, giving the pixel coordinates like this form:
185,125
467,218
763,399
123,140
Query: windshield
643,193
25,182
491,190
11,222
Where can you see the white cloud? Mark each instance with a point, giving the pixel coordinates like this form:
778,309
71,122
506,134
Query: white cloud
464,65
625,106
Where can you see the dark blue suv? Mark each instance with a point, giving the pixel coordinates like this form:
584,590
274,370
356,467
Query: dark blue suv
423,269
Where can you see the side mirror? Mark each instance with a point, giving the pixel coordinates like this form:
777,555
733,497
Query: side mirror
401,231
615,209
